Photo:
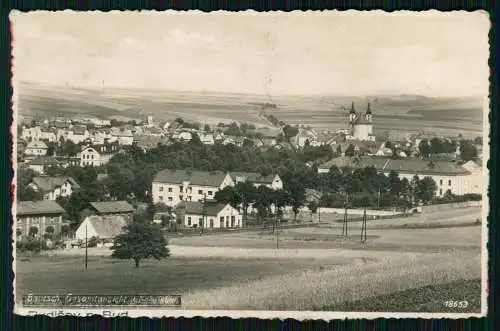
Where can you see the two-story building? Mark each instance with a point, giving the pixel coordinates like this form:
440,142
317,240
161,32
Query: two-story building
36,148
447,175
211,215
97,155
174,186
35,217
107,208
54,187
271,181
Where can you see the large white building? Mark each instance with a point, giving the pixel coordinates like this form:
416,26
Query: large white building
97,155
361,127
211,215
36,148
174,186
448,175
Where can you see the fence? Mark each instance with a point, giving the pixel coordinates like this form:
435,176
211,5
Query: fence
447,206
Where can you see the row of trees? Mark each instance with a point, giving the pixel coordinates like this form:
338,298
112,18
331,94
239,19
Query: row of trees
467,148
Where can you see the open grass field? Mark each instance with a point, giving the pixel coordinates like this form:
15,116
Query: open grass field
396,270
439,115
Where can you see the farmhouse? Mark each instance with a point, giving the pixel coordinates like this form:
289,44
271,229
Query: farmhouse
211,215
174,186
106,208
43,215
104,228
272,181
447,175
54,187
97,155
36,148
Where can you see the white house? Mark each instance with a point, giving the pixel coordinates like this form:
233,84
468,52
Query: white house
54,187
447,175
207,138
78,134
36,148
479,177
104,228
29,134
125,137
48,134
182,136
211,215
174,186
97,155
271,181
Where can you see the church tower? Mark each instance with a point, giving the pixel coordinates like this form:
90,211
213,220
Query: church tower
352,114
368,114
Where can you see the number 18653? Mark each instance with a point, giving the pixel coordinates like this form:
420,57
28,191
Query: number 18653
456,304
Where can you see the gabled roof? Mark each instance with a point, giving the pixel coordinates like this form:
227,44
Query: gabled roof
48,184
106,207
195,177
411,166
42,207
37,144
107,226
252,177
196,208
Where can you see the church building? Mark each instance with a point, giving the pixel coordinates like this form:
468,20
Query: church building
361,125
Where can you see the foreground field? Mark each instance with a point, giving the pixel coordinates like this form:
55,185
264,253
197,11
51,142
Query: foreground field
313,269
62,275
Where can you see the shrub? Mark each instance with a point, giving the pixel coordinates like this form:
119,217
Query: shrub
29,245
33,231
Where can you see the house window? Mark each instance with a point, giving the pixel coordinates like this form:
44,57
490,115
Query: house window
92,156
232,221
200,221
449,182
170,189
161,188
161,198
169,198
211,222
221,219
189,221
200,191
181,197
189,198
440,182
181,188
209,192
440,192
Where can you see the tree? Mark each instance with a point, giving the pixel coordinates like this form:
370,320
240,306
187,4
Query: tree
247,195
64,230
33,231
207,128
424,148
427,189
140,240
467,150
228,195
290,131
297,195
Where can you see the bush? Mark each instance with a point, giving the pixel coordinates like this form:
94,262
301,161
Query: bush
29,245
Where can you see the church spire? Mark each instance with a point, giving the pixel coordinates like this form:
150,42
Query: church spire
369,109
352,108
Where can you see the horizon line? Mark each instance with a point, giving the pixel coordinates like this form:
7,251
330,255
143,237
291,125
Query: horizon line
139,88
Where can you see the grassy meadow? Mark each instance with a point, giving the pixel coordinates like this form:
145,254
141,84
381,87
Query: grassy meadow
398,269
446,116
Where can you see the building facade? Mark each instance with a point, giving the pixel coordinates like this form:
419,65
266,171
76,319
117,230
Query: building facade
36,148
173,186
54,187
273,181
40,215
211,215
97,155
361,127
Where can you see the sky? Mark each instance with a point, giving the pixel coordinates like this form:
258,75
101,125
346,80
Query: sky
302,53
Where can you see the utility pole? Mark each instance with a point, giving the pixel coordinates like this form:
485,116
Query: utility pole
86,247
344,226
277,232
378,197
203,213
363,228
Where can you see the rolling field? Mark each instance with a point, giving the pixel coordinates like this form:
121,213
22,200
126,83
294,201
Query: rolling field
439,115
